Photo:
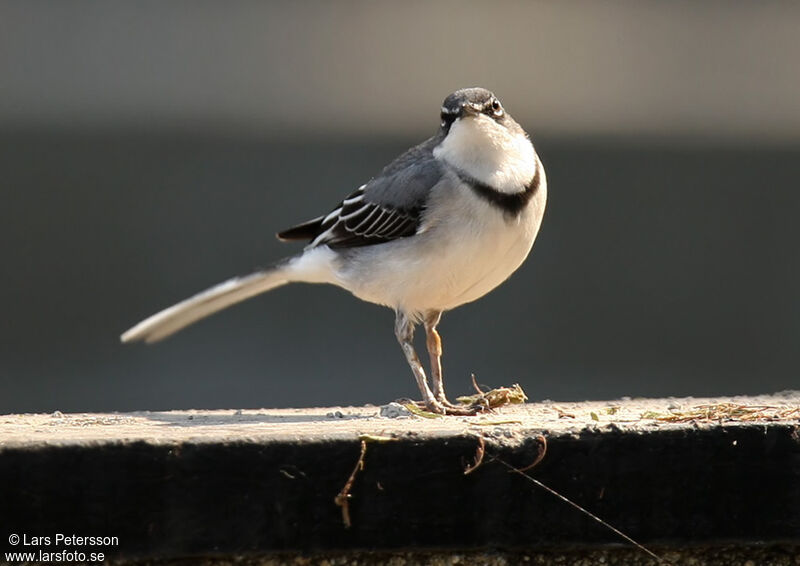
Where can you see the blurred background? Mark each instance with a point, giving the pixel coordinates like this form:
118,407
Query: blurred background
151,149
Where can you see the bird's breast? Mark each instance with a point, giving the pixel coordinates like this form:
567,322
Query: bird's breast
465,248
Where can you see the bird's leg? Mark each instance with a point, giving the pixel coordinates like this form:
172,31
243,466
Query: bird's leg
434,342
404,330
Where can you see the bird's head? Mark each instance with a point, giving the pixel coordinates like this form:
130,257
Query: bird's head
476,104
479,137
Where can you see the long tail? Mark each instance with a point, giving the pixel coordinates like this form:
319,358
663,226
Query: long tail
181,315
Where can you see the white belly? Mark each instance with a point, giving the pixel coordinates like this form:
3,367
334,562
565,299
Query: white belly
464,252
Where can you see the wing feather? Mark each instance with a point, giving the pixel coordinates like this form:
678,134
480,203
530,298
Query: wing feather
389,207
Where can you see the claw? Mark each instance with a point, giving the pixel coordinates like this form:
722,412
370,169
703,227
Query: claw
445,407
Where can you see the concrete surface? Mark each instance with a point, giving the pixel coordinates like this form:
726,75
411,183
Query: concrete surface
348,423
244,485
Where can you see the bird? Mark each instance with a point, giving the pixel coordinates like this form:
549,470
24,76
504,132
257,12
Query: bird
440,226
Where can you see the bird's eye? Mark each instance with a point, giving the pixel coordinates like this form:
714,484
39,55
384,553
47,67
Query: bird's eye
497,110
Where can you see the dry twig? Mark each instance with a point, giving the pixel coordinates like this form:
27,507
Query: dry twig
480,452
539,457
343,498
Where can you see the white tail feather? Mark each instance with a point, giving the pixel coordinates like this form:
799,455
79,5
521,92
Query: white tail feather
181,315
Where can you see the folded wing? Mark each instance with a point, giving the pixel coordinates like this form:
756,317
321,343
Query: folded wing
390,206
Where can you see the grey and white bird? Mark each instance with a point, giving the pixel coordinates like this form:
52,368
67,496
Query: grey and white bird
440,226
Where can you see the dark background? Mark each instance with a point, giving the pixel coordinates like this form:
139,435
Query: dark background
149,151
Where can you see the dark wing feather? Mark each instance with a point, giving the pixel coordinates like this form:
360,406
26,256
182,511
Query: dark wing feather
305,231
390,206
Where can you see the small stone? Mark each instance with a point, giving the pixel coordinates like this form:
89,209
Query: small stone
394,411
57,415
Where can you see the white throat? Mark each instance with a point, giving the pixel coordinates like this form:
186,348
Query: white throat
488,152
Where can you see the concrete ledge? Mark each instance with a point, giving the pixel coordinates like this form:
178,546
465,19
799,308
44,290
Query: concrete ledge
191,483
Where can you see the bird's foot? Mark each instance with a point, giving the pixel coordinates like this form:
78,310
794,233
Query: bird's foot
444,407
474,408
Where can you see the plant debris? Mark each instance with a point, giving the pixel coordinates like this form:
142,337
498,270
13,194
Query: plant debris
496,423
562,414
725,412
343,498
542,441
376,438
415,410
480,452
494,398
